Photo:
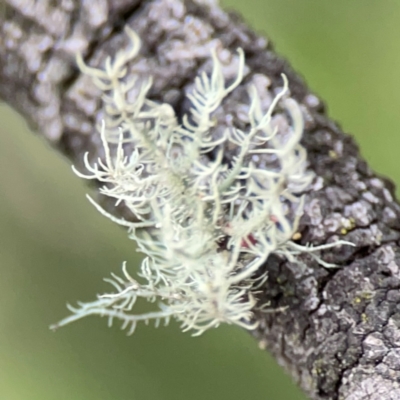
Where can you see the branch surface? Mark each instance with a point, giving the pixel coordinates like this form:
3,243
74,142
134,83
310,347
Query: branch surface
339,335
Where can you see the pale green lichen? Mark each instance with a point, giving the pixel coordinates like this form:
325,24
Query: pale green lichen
205,225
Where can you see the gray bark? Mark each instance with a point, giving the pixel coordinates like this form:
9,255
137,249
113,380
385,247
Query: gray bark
339,335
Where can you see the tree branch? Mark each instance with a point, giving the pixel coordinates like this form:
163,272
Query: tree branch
339,333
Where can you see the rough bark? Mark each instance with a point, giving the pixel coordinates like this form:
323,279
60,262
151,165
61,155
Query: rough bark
339,335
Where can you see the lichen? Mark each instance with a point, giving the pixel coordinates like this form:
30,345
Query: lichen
206,222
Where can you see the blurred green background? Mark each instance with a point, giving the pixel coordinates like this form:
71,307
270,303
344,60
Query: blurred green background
55,248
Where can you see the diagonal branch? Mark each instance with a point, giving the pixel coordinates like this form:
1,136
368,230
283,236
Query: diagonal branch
339,333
